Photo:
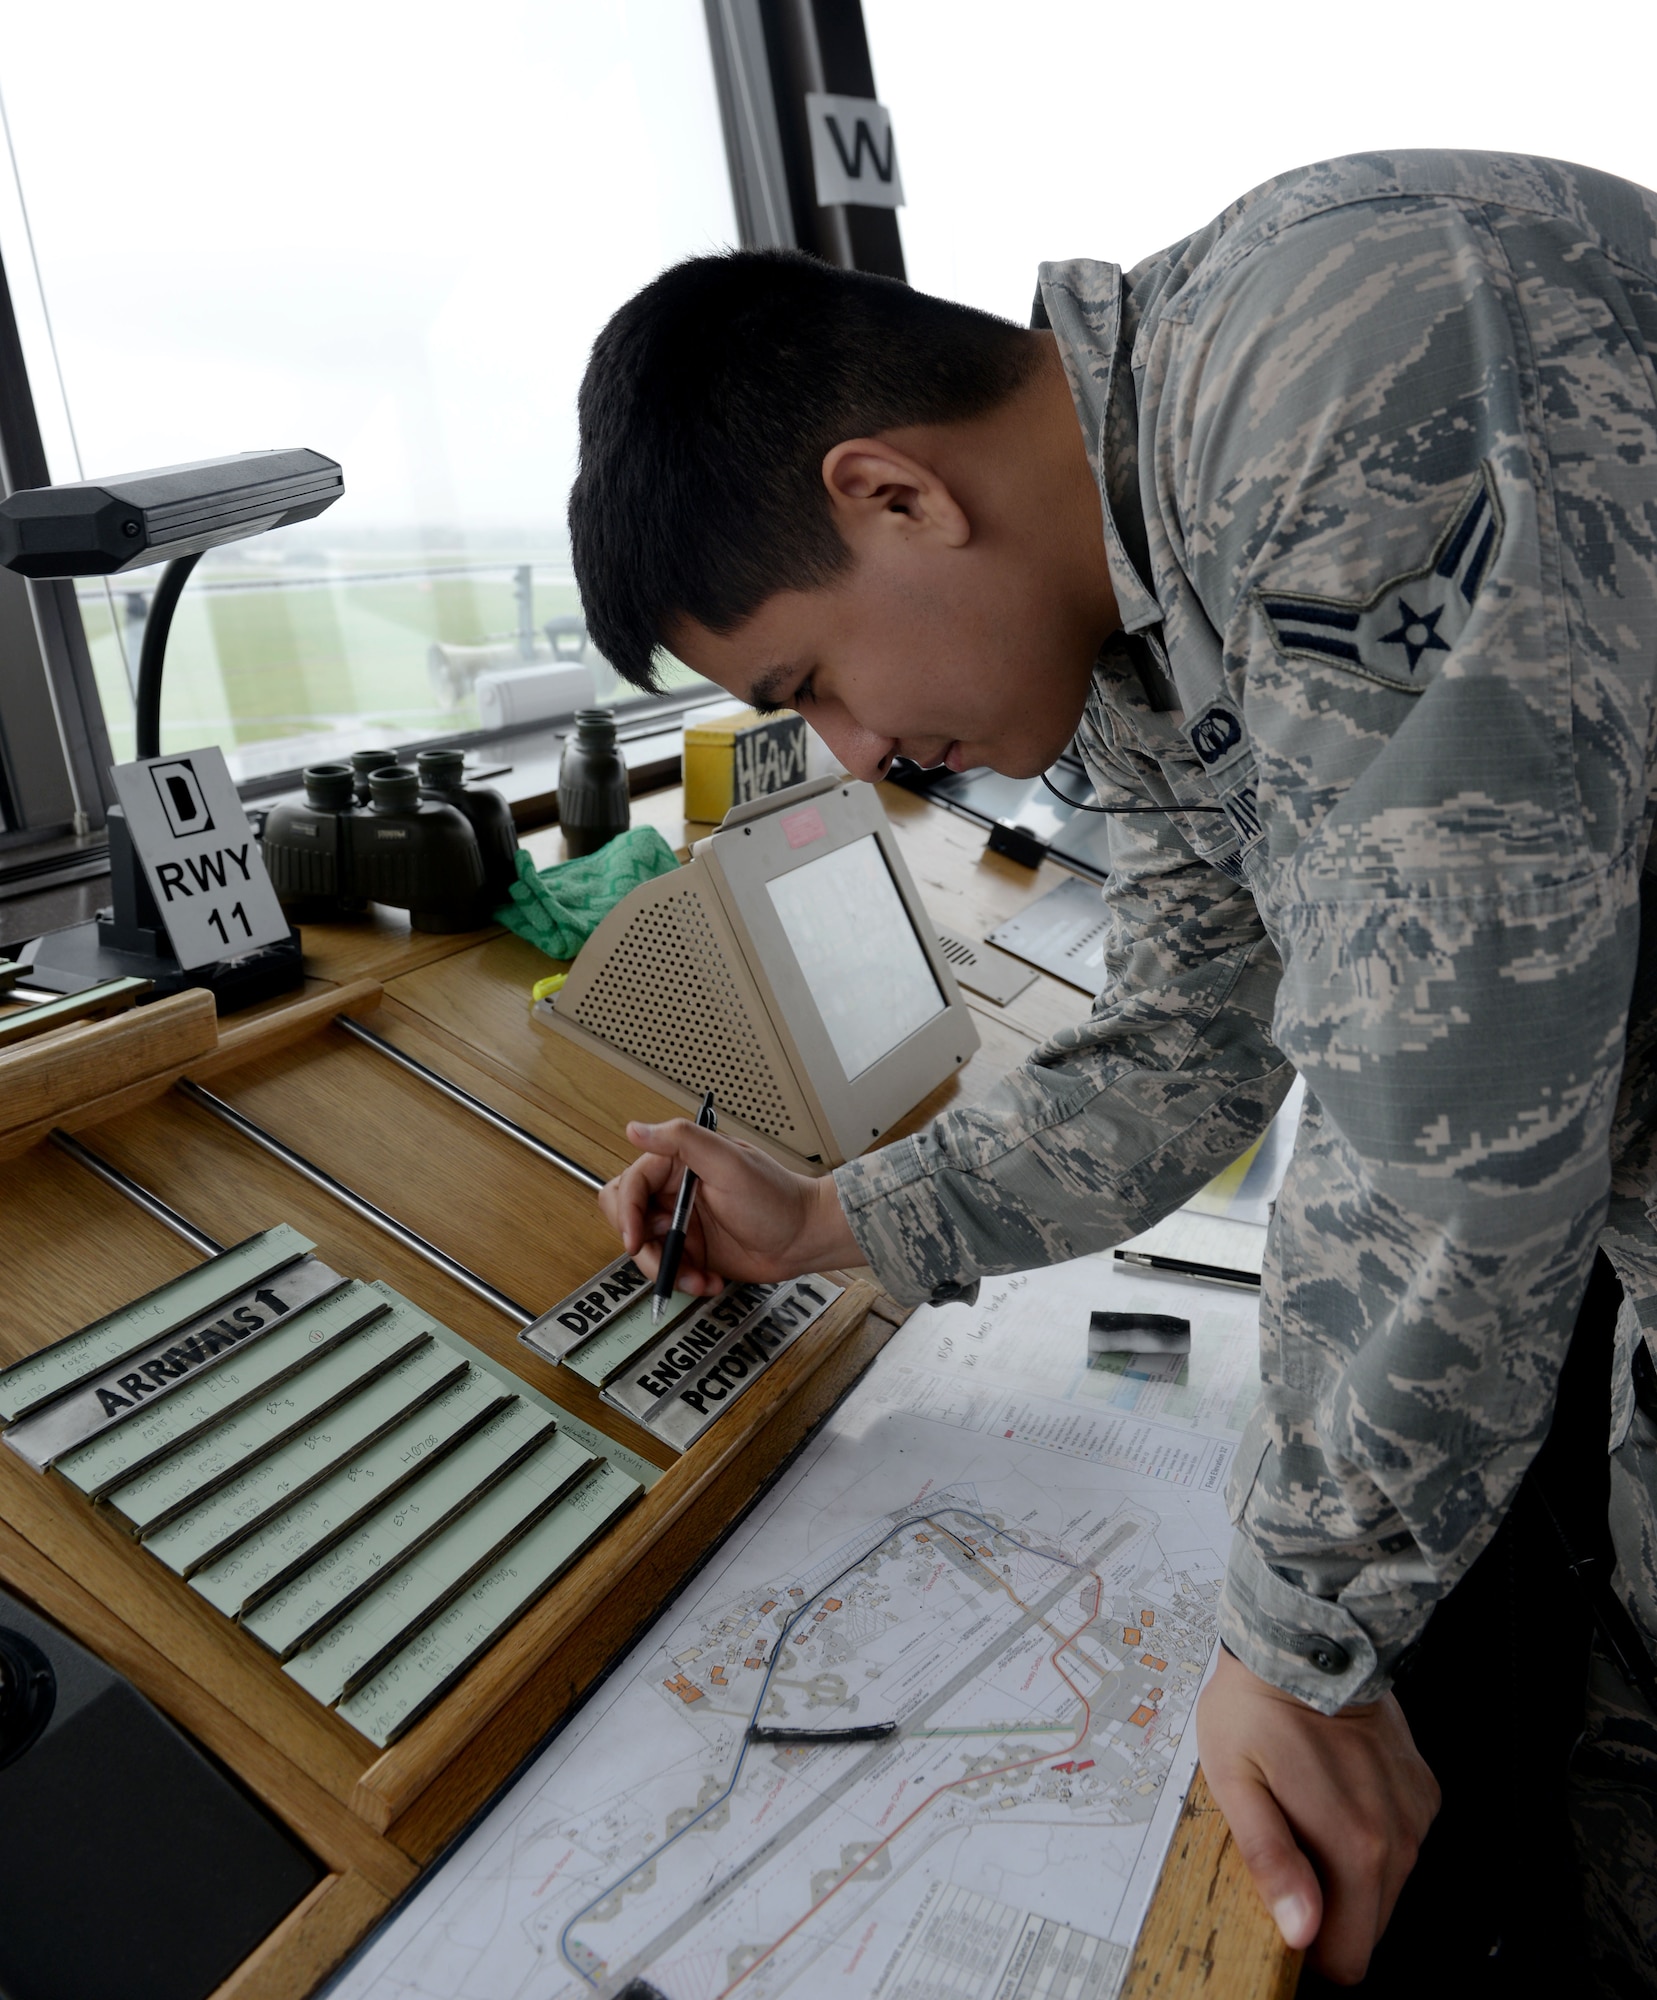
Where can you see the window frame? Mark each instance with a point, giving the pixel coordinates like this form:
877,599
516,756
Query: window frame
54,746
55,750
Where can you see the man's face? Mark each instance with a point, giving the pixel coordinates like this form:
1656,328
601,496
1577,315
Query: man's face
947,657
964,629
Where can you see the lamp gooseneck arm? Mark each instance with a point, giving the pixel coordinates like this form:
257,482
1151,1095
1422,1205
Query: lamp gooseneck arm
154,651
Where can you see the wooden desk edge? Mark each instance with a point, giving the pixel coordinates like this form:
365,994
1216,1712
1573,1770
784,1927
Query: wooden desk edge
265,1033
309,1942
57,1079
181,1042
1206,1930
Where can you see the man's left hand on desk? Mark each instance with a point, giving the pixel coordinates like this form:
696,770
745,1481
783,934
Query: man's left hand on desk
1328,1811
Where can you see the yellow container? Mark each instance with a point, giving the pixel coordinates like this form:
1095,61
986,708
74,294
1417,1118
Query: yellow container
734,758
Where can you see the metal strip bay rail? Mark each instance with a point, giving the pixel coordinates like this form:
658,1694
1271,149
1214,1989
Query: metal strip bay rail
359,1204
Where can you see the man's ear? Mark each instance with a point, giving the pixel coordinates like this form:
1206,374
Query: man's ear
876,488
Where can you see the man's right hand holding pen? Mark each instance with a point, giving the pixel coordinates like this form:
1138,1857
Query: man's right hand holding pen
753,1218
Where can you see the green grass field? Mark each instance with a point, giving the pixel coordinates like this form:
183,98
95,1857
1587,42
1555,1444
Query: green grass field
252,669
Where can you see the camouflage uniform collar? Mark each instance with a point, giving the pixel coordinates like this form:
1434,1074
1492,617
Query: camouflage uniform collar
1081,302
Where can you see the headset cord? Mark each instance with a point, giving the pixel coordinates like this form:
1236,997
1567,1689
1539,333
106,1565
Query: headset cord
1081,805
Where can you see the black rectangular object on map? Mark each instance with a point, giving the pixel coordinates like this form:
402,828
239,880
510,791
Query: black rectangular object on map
130,1863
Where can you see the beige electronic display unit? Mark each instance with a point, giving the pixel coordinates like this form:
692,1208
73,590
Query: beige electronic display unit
790,967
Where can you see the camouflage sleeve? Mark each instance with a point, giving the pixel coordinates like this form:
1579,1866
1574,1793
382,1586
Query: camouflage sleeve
1111,1124
1405,456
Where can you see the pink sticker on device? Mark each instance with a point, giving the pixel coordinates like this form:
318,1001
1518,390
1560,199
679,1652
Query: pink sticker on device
803,827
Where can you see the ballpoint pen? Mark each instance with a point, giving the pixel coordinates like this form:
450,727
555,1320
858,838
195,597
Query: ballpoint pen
1203,1274
673,1244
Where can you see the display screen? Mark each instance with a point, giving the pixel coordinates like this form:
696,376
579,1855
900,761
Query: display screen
848,928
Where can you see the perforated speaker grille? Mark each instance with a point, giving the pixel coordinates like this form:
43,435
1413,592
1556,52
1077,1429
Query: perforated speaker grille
665,998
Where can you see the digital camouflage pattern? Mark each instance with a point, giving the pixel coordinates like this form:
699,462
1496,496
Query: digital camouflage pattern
1378,450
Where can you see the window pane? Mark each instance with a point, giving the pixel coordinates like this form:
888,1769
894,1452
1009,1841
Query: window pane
1050,132
390,235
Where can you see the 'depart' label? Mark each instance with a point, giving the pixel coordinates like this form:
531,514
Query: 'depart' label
588,1310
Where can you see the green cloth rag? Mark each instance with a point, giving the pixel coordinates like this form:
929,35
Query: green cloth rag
559,908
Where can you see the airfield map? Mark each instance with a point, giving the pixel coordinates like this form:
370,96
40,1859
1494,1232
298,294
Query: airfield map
1013,1557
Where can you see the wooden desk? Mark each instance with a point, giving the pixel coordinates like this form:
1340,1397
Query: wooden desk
460,1005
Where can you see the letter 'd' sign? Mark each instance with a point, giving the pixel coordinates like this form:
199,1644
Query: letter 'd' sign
200,858
854,157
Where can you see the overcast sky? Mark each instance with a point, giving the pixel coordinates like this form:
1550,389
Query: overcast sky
1033,129
387,232
391,232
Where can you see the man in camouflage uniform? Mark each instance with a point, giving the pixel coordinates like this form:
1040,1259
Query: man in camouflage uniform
1377,451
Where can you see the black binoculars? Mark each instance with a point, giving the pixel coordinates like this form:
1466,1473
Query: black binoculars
375,831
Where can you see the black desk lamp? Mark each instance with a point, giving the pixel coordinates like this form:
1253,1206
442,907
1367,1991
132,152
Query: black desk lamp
101,528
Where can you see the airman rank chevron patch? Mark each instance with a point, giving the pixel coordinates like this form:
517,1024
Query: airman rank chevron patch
1401,634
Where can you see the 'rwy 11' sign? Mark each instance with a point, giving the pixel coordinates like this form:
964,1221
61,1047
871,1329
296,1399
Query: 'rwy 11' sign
200,857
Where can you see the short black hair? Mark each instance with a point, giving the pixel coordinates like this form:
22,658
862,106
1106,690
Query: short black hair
707,407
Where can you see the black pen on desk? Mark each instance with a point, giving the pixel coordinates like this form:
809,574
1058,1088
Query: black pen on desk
1178,1267
673,1244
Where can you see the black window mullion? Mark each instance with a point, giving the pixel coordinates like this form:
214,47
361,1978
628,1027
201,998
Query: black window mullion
823,45
51,716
